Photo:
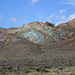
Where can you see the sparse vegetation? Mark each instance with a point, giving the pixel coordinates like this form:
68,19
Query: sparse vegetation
55,47
9,68
2,72
70,62
41,71
15,72
27,71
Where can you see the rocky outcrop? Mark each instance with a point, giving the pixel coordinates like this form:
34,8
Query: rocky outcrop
68,26
41,33
37,45
49,24
36,32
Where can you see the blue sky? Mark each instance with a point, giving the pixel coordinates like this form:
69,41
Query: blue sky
15,13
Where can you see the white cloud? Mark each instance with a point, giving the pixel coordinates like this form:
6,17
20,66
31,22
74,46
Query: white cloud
58,23
71,16
34,1
60,18
0,17
62,11
63,19
49,18
70,2
13,20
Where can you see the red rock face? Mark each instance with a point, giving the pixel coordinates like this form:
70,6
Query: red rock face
49,24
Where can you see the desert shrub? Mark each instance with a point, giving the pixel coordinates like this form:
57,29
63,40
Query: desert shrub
61,68
14,70
15,73
73,69
38,69
48,66
2,72
41,70
27,71
67,70
70,62
72,73
9,68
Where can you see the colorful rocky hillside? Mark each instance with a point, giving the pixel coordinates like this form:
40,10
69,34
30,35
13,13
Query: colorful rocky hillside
36,32
37,45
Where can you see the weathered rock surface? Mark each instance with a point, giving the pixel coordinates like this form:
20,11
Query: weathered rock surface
38,44
36,32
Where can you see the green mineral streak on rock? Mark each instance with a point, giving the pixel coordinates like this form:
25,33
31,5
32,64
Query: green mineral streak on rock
37,32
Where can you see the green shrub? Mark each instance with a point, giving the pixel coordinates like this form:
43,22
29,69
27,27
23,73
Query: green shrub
38,69
41,70
15,73
2,72
9,68
27,71
70,62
